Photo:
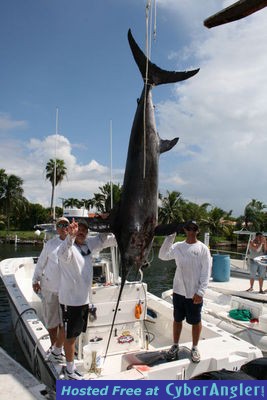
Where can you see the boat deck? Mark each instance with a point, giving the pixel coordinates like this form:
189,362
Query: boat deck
147,337
238,287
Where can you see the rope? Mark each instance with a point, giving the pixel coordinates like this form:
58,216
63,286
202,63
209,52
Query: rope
146,82
148,55
20,315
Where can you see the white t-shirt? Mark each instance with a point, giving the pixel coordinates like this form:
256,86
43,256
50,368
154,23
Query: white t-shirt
77,270
193,265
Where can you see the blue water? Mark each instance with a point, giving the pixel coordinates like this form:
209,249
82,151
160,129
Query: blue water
158,276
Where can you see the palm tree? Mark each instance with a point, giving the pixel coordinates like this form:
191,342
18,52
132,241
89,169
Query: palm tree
71,202
55,166
171,208
195,211
254,215
215,219
12,201
3,177
102,201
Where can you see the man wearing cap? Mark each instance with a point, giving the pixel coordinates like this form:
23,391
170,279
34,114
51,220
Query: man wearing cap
76,266
193,268
46,282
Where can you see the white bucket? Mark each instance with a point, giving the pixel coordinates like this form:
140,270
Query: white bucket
87,357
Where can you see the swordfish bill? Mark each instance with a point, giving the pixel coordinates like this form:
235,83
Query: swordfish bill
136,217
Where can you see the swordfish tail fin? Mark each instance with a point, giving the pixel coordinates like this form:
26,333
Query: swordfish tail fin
156,75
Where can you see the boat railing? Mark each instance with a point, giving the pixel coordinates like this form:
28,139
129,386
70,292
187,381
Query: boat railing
237,255
238,260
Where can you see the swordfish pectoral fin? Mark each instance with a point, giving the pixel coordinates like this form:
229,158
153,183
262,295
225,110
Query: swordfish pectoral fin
166,145
156,75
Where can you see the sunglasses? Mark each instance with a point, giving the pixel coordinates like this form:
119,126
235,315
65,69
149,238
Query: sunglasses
191,228
62,225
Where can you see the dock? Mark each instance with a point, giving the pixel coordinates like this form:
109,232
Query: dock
18,383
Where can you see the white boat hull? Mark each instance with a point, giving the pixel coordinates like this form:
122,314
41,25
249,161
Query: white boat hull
131,338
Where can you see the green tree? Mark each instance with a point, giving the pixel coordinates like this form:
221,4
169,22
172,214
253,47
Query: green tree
36,214
12,201
55,167
215,220
102,201
171,208
193,211
3,178
254,215
71,202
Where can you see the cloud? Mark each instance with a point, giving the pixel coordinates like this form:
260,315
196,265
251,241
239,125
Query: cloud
82,180
7,124
220,116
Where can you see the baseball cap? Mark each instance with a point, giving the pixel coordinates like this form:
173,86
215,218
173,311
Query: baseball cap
62,219
191,223
83,222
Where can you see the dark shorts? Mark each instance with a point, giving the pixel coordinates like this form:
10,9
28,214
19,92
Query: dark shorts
74,319
185,309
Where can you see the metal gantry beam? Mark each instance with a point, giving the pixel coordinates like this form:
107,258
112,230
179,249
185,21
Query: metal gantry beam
238,10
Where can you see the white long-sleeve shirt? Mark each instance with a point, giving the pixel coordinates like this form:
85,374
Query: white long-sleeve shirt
193,265
77,269
47,269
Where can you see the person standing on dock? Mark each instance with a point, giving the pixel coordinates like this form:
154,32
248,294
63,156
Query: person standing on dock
193,269
46,282
76,266
257,247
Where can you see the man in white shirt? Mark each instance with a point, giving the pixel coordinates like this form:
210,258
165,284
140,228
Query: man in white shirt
46,281
193,268
75,260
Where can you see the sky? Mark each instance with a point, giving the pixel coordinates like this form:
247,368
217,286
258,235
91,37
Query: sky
74,56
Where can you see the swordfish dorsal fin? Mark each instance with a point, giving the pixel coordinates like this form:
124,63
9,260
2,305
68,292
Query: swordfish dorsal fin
166,145
156,75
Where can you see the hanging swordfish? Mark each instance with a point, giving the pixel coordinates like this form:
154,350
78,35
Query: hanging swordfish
135,218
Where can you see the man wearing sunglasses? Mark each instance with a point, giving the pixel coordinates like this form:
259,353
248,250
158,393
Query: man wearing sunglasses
76,266
46,282
193,268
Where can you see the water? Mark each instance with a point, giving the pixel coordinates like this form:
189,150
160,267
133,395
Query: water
158,276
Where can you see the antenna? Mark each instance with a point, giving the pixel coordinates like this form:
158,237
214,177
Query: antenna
111,177
55,168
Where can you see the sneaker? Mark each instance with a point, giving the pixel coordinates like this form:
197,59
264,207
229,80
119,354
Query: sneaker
75,375
47,354
195,355
172,353
59,358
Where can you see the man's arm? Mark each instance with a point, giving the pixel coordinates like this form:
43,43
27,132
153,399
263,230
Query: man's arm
101,241
165,252
39,269
65,249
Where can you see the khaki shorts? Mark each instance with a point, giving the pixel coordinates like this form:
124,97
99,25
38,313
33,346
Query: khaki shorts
51,309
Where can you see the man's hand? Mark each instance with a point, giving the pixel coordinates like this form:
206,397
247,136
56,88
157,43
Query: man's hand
73,228
197,299
36,287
